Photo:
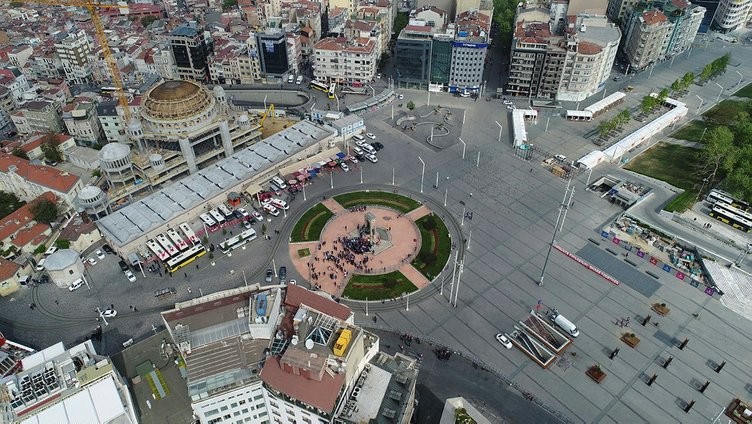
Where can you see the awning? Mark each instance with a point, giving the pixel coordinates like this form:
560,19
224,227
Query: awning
253,189
341,155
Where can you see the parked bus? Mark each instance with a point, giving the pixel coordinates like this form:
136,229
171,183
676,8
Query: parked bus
207,220
185,258
237,241
217,216
332,87
731,219
318,86
176,239
189,233
167,245
716,196
735,211
157,250
225,210
108,90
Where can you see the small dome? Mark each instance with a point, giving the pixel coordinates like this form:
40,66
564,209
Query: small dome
243,118
90,192
218,91
114,151
61,259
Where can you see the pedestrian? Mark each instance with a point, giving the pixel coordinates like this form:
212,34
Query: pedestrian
56,302
185,274
531,169
197,266
131,307
189,289
135,309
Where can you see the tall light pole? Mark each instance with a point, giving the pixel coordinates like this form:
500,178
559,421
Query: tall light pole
446,191
701,102
422,173
477,161
741,77
101,315
464,146
719,93
459,277
500,128
555,230
361,174
743,255
304,196
392,176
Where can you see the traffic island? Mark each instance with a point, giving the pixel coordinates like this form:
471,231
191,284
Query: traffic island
630,339
596,373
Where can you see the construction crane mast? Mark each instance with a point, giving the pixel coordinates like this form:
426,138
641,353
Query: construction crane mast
92,8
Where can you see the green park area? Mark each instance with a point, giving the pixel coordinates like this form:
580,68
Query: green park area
310,225
377,287
435,247
377,198
745,92
675,165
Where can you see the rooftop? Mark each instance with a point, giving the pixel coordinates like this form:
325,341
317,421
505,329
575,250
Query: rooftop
174,200
44,176
11,353
20,218
385,388
654,17
297,296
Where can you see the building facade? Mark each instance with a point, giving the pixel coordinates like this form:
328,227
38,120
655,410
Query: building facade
271,46
345,61
38,116
413,56
81,121
73,52
29,181
469,50
731,15
190,53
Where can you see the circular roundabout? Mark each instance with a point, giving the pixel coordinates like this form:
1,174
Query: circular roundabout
369,245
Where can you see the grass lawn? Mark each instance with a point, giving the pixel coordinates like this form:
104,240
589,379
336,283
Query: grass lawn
377,287
673,164
745,92
302,253
693,131
309,226
391,200
435,244
724,112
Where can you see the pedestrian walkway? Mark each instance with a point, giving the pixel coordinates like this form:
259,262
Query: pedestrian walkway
419,280
332,205
419,213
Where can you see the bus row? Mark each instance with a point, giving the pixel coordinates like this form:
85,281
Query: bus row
321,86
217,216
174,250
719,196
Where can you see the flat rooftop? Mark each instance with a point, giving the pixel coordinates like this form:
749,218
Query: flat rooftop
173,201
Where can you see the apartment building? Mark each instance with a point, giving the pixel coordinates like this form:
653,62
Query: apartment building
571,65
110,122
345,61
189,53
657,31
73,52
732,15
81,121
38,116
7,107
413,55
271,46
469,50
28,181
14,80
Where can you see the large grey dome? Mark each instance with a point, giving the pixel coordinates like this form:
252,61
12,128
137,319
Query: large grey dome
61,259
114,151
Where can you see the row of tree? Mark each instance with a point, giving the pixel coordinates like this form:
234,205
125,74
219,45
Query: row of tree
650,103
727,155
683,83
618,121
715,67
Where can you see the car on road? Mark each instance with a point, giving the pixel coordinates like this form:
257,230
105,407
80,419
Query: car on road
353,159
360,143
299,80
507,102
91,261
617,78
504,340
236,213
243,213
99,254
50,251
76,285
371,136
107,249
247,225
269,275
109,313
372,158
282,274
344,167
257,216
560,158
279,203
293,281
511,107
271,210
358,150
378,76
129,275
40,265
167,291
401,96
123,266
360,157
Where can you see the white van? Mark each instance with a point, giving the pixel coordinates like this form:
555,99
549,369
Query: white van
40,264
299,80
565,324
368,148
278,182
290,79
358,137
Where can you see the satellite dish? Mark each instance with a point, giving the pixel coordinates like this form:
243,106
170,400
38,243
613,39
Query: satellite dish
309,344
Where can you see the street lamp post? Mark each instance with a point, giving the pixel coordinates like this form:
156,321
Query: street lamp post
555,230
701,102
741,78
477,161
500,128
719,93
459,277
304,196
422,172
392,176
703,134
361,175
446,191
464,146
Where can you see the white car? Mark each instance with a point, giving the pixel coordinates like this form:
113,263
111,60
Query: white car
242,212
99,254
378,76
40,264
279,203
344,167
504,340
130,276
91,261
76,285
560,158
109,313
371,136
247,225
353,159
293,281
271,209
372,158
50,251
257,216
358,150
401,96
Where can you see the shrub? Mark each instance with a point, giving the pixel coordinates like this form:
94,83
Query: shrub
429,224
427,258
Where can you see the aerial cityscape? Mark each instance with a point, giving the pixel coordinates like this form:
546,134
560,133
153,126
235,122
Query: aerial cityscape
375,211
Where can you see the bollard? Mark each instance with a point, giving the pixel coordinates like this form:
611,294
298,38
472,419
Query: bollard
720,367
614,353
652,379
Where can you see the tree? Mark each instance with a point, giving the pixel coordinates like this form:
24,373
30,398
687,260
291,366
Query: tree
16,4
51,151
19,152
62,244
676,85
40,249
400,22
603,129
707,72
9,203
44,211
719,152
688,79
648,104
229,4
624,117
148,20
96,173
410,105
663,95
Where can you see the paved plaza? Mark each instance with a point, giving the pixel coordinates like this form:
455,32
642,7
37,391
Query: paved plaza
502,210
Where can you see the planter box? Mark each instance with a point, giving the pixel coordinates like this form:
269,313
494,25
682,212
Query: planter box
661,310
631,341
596,374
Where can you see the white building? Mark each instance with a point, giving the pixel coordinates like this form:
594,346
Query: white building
342,61
731,15
81,121
29,181
66,387
469,50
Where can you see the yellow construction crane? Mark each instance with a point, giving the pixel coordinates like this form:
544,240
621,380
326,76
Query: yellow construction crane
266,114
92,8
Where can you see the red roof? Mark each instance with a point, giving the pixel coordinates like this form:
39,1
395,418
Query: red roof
37,140
21,217
418,28
297,296
45,176
7,269
319,394
26,235
654,17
